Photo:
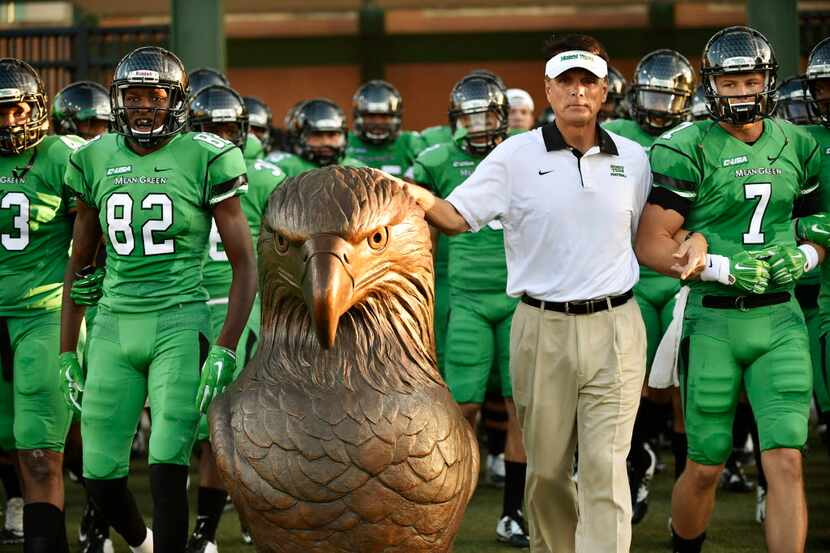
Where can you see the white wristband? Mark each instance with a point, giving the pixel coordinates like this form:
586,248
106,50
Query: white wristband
812,257
717,269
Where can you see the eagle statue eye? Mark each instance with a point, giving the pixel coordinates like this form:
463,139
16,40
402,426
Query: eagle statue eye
281,243
378,239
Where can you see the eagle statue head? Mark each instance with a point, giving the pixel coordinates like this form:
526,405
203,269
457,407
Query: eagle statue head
346,281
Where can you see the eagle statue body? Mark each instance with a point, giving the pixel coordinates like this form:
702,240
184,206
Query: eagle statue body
340,435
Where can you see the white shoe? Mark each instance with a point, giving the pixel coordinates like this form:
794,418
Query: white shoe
147,546
511,531
760,504
496,472
14,515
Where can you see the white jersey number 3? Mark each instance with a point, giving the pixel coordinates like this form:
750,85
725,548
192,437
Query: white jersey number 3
20,238
119,224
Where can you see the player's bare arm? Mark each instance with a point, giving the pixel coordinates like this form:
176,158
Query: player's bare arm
236,237
85,238
666,247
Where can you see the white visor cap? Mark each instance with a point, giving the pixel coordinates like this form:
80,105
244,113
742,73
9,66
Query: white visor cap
572,59
519,98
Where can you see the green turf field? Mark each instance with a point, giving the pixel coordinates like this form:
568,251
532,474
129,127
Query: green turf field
733,529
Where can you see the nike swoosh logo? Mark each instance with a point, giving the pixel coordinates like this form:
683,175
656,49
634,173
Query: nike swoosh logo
545,172
819,230
744,267
163,169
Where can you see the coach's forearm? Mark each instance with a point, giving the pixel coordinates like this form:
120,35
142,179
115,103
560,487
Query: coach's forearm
446,218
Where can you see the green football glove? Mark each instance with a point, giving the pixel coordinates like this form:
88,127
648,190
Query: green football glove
748,271
786,264
815,228
88,287
217,373
72,379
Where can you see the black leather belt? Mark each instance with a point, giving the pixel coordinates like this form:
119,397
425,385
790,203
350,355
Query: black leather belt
580,307
745,302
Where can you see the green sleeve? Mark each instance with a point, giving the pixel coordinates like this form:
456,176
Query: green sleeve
222,175
416,145
422,175
674,168
59,152
76,182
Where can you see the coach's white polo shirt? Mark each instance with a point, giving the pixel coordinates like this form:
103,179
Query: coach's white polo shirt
569,221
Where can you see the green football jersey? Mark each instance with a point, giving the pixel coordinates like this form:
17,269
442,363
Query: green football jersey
35,227
293,165
263,179
155,213
630,130
476,260
739,196
822,136
438,134
394,158
253,148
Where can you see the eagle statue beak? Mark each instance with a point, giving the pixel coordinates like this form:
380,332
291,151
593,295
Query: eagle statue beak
327,284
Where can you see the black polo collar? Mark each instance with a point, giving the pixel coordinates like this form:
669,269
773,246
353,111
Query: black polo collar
555,141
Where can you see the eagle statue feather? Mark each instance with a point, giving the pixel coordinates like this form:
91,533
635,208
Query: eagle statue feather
340,435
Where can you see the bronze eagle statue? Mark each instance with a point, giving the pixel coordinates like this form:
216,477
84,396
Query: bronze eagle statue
340,435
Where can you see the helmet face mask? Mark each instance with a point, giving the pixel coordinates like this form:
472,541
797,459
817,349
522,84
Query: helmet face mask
662,91
321,132
81,108
739,52
22,93
219,109
148,96
377,110
817,82
479,113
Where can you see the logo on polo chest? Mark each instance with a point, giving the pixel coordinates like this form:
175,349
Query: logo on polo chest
735,161
617,170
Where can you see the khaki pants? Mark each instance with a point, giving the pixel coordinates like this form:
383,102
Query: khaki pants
577,378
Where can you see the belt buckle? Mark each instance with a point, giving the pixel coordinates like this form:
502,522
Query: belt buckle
740,303
588,304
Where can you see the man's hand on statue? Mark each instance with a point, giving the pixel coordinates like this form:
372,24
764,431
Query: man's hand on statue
421,195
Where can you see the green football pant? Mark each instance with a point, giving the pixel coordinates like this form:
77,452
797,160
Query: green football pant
478,337
245,349
33,413
821,379
132,357
655,295
768,349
